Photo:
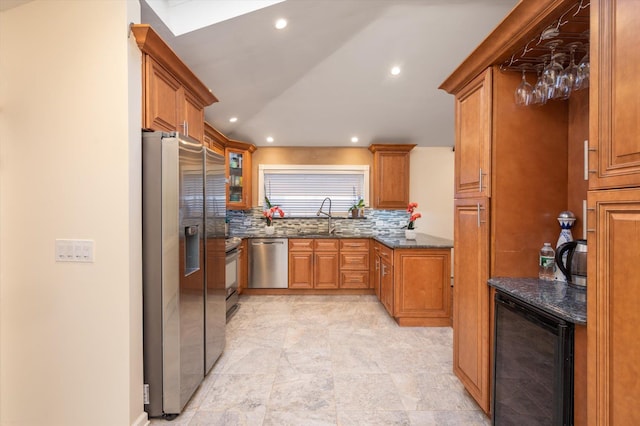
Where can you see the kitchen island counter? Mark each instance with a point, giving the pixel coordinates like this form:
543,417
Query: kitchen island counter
555,297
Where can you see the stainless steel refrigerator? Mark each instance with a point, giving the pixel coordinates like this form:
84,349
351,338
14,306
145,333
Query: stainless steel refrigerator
180,329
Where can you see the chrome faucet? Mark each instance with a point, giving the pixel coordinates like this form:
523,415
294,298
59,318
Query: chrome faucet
331,228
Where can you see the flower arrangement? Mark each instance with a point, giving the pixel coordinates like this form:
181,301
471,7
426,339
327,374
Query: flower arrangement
414,215
270,211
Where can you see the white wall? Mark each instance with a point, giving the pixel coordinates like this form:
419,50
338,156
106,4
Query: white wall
432,189
70,334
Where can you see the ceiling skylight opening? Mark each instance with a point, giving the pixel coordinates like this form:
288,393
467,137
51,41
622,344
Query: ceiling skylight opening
281,23
270,139
395,70
233,119
354,139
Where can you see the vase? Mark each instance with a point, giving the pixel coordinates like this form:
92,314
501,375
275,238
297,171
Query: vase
410,234
269,229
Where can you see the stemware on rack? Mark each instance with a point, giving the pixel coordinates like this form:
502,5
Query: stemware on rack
553,55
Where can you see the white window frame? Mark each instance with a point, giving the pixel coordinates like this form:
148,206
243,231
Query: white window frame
318,168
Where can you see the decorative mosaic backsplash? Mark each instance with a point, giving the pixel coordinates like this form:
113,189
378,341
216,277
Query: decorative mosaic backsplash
375,222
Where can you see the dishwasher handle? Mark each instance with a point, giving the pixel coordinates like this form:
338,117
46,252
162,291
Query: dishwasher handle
262,243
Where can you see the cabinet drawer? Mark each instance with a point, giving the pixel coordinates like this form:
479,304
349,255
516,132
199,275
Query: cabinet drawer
385,253
354,279
354,245
329,244
354,261
302,244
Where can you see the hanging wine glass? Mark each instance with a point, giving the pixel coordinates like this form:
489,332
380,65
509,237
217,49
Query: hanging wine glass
582,76
552,70
567,77
539,93
524,90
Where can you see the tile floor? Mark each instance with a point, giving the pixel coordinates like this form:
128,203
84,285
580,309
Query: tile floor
329,360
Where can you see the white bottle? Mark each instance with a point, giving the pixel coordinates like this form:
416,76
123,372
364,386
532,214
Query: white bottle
547,263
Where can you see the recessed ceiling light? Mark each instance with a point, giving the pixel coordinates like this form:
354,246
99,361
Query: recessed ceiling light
354,139
395,70
269,139
281,23
233,119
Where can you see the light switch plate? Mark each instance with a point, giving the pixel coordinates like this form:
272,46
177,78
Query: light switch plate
74,250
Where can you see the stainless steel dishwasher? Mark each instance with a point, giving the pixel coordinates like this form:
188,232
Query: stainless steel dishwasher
268,263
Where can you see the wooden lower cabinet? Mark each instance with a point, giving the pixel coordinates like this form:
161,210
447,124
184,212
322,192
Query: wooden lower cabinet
314,263
326,270
354,263
613,307
300,263
375,268
386,285
471,299
422,288
414,285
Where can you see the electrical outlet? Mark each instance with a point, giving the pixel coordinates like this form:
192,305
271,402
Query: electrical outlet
379,223
247,222
74,251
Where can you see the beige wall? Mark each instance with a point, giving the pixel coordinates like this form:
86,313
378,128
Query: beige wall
431,177
70,334
432,189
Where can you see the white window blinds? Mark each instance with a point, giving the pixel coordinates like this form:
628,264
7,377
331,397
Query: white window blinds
299,190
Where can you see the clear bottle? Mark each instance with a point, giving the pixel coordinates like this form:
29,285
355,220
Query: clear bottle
547,264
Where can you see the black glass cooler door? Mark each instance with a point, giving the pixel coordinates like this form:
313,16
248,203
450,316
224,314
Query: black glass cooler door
533,366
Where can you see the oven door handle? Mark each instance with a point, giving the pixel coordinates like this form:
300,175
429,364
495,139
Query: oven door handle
232,255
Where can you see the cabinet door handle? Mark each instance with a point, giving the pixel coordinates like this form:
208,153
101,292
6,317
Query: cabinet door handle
384,270
586,159
479,210
480,179
185,127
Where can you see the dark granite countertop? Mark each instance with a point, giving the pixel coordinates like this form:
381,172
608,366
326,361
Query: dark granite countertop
391,241
421,241
555,297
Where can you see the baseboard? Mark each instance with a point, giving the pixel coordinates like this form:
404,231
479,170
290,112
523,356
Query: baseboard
142,420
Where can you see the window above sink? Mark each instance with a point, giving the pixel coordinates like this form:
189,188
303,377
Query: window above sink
300,189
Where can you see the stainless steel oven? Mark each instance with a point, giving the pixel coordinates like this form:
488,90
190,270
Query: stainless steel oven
232,274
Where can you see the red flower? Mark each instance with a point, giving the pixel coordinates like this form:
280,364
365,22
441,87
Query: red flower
414,215
268,214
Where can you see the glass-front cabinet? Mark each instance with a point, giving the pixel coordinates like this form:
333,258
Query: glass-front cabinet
238,163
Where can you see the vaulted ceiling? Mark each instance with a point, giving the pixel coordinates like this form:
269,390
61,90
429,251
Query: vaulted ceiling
325,78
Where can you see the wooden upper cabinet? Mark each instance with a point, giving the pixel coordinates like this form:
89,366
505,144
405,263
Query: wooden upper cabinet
173,98
162,95
214,139
473,117
614,159
238,165
390,175
193,117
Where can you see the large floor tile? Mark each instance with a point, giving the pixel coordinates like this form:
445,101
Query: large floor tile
326,360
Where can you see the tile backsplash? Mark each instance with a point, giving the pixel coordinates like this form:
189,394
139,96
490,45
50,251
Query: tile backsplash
375,222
